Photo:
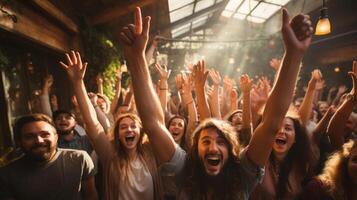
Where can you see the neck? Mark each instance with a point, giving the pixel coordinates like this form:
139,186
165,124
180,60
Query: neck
132,154
69,136
279,157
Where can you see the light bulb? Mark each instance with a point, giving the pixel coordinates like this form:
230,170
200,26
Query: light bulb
323,27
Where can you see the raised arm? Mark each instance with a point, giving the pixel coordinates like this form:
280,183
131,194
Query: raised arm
99,80
163,86
215,108
245,86
339,119
102,118
75,71
45,96
200,77
115,101
308,102
297,38
134,39
188,101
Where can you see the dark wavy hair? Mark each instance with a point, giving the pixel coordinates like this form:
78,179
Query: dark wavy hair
182,143
194,172
299,157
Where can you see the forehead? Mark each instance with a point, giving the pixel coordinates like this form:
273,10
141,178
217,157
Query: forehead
126,120
36,127
210,133
288,121
65,115
177,120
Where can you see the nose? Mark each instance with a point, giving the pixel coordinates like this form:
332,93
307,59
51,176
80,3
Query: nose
39,139
213,147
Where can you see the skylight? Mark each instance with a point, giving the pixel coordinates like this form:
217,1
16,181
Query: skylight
203,4
256,11
181,13
175,4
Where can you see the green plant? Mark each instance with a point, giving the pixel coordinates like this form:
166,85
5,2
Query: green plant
102,55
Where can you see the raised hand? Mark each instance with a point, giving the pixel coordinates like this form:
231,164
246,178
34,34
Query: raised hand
245,83
200,74
93,98
353,75
215,76
275,63
316,75
297,33
99,79
48,81
164,73
178,81
135,36
74,67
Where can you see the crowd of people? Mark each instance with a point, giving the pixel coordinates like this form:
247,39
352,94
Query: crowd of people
206,142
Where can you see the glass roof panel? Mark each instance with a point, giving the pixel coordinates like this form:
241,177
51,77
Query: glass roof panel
279,2
181,28
239,16
203,4
175,4
227,13
265,10
255,19
247,6
199,21
233,4
181,13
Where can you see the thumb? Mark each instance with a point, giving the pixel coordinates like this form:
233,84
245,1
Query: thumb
146,25
285,16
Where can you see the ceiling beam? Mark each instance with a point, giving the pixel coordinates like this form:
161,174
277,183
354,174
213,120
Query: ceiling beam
110,14
53,11
194,16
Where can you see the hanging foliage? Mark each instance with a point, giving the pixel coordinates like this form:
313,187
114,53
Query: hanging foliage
102,55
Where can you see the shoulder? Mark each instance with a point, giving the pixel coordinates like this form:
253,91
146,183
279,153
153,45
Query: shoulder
73,154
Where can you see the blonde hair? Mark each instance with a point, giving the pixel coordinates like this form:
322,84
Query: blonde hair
121,160
335,174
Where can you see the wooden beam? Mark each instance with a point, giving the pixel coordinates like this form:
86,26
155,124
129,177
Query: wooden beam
118,11
35,27
52,10
337,55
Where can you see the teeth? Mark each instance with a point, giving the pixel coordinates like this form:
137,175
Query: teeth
213,157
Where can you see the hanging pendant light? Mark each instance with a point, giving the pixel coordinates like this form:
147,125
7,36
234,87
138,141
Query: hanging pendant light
323,26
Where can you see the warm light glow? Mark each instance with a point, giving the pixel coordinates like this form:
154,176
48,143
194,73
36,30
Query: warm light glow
323,27
231,61
337,69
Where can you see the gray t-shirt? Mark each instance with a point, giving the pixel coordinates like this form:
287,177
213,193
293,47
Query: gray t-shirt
60,178
249,174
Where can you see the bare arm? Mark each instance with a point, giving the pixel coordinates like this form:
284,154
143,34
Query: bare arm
114,104
215,108
163,86
246,85
191,106
102,118
281,95
200,77
307,104
76,70
339,119
134,39
44,97
99,80
88,189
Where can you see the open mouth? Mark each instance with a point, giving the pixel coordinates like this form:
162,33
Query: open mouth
213,160
280,141
129,138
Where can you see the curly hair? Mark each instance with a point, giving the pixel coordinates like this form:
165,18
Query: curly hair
335,176
194,173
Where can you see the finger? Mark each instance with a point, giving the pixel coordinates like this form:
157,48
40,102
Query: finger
63,65
128,33
354,67
125,39
84,68
74,58
285,17
138,21
146,26
158,68
79,59
131,27
69,60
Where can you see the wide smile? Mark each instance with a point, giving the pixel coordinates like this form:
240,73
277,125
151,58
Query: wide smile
213,163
